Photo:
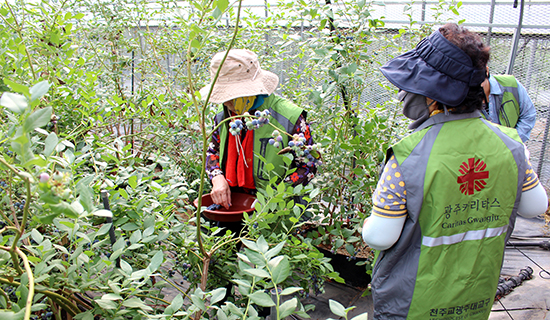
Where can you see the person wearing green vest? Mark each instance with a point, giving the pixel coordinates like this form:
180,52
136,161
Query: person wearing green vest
509,104
234,157
449,192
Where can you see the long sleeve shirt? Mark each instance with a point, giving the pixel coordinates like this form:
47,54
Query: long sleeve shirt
303,173
528,113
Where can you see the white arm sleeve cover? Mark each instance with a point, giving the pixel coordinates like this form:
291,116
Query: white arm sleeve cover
533,202
382,233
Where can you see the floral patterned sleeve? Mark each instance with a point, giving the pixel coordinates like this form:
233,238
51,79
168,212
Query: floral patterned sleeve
303,173
213,154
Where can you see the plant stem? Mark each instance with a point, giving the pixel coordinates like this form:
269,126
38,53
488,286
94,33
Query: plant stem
19,29
30,276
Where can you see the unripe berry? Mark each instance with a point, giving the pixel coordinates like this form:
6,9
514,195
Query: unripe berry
44,177
57,176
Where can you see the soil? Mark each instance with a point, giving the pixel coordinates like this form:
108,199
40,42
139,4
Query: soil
365,252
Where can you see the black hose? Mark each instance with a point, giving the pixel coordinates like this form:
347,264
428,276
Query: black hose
543,244
507,285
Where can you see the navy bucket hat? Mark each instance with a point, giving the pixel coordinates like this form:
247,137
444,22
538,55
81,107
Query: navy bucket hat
436,69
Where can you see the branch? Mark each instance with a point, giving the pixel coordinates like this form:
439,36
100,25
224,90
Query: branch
30,276
18,29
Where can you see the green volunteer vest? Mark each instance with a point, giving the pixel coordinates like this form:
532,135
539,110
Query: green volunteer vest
284,116
507,106
462,191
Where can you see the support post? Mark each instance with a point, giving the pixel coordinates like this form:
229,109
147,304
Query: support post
515,40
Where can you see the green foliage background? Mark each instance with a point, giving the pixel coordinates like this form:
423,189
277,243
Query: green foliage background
102,96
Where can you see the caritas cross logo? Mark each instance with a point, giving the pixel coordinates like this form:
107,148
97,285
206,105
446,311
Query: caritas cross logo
473,177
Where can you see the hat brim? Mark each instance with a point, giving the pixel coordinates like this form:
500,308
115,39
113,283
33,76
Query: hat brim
411,73
265,83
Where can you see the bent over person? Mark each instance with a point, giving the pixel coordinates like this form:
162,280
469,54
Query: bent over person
509,104
448,196
233,163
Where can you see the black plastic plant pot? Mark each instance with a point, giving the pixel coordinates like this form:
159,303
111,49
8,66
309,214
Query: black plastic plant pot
354,275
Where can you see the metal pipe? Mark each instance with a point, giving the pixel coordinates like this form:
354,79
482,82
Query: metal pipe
133,60
515,40
423,17
491,19
112,237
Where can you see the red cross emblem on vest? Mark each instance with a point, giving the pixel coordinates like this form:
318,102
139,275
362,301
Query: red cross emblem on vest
473,177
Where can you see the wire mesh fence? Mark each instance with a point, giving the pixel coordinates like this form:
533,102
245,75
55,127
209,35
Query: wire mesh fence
518,33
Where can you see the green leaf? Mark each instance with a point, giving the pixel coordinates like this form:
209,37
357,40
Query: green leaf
216,13
290,290
50,143
222,4
10,315
19,88
14,102
263,247
233,308
275,250
132,181
255,257
104,229
103,213
126,267
176,304
217,295
136,303
362,316
198,302
106,304
111,296
257,273
280,268
39,89
337,308
48,219
287,308
250,244
85,197
136,236
65,208
37,236
156,261
37,119
262,299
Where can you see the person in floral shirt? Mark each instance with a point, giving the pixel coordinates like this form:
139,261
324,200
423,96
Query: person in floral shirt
244,88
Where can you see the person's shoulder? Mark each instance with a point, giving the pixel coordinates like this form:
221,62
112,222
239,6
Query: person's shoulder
505,79
512,133
277,101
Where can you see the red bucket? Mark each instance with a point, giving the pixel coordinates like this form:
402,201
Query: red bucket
241,202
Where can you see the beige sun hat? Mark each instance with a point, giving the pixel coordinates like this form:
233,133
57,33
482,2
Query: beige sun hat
240,76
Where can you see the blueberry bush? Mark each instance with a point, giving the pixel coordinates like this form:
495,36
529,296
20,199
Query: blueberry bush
103,141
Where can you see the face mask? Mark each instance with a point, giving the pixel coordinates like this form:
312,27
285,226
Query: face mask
414,105
243,104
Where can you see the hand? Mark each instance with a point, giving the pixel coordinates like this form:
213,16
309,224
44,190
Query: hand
221,194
